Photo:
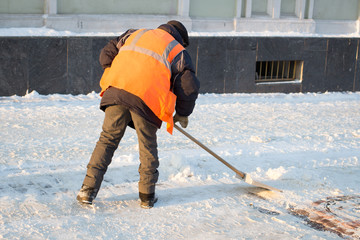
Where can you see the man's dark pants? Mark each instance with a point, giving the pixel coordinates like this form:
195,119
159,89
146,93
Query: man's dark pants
117,117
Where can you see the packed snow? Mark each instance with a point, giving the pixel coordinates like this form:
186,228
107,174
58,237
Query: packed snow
307,145
49,32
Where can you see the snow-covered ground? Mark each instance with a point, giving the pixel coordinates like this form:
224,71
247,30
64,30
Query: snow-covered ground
308,145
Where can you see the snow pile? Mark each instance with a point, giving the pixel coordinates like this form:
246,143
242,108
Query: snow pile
308,145
48,32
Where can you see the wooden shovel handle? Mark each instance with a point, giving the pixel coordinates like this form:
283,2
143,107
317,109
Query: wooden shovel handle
241,174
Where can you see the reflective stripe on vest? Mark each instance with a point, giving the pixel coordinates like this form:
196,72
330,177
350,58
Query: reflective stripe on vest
164,58
143,68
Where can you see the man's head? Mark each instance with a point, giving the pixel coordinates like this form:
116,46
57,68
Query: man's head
182,30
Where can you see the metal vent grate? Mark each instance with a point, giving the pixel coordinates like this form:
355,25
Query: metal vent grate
278,71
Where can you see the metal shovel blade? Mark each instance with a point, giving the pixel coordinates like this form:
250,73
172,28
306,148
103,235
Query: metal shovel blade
239,174
247,178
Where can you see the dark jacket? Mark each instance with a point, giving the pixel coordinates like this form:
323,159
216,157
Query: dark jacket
183,80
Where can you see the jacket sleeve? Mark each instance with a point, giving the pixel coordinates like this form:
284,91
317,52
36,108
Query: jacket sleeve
185,83
109,52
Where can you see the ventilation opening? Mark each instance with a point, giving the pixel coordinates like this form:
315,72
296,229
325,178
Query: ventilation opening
278,72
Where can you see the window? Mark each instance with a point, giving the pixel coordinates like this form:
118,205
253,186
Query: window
259,7
278,71
288,8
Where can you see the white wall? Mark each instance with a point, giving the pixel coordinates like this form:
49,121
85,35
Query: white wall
295,16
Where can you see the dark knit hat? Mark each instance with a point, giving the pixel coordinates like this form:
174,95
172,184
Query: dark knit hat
182,30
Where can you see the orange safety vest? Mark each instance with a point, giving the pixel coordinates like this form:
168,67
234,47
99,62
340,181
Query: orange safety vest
143,68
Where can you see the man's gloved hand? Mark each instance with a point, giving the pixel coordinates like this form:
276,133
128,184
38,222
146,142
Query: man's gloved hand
181,119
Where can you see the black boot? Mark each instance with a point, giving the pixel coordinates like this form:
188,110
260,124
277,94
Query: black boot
87,194
147,200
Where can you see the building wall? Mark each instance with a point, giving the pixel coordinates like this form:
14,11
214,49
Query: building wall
69,65
21,7
224,9
298,16
223,64
336,10
157,7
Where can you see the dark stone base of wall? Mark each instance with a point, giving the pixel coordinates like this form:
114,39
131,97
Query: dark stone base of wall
69,65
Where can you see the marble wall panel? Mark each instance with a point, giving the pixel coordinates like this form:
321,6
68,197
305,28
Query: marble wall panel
341,64
47,65
314,74
98,44
315,44
314,57
356,83
240,58
239,72
283,88
211,65
80,71
279,48
192,49
241,44
14,74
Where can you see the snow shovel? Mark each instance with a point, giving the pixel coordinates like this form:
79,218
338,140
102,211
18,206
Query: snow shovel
241,175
